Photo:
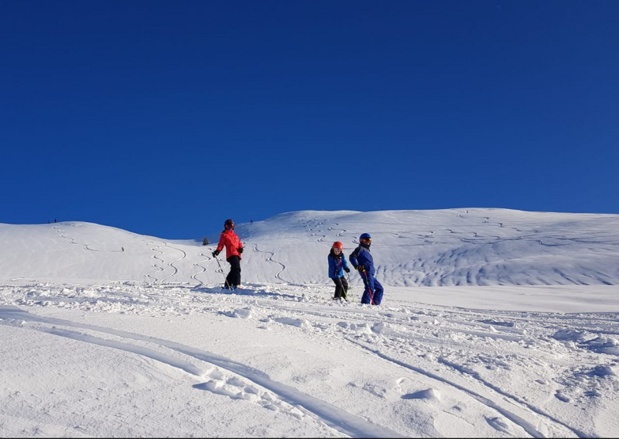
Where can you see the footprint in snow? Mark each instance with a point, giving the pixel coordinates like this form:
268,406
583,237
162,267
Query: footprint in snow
235,387
499,424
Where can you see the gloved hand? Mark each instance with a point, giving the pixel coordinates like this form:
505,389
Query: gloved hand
240,250
215,253
360,268
347,270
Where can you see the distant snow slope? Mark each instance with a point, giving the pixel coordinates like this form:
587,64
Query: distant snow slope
410,248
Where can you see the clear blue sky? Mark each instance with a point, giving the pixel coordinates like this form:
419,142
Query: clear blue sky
166,118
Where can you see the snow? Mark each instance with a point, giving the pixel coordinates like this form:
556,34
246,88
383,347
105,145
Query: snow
494,323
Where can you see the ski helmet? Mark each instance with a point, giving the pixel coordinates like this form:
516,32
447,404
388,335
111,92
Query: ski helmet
229,224
365,236
338,244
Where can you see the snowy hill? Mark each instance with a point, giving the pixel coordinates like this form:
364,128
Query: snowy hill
411,248
494,323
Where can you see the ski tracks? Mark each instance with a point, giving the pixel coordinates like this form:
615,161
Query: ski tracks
442,337
217,374
203,270
161,265
278,275
173,262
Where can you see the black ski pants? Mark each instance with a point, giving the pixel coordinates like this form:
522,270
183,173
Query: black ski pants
234,276
341,287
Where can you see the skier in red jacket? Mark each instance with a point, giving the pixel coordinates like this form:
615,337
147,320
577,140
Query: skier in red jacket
234,248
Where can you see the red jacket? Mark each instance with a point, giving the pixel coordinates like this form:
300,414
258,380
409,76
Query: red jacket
231,241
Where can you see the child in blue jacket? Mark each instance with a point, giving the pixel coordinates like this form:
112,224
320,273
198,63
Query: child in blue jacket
362,261
337,266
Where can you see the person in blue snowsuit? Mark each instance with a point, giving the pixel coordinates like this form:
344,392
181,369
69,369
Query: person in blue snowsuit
362,261
337,266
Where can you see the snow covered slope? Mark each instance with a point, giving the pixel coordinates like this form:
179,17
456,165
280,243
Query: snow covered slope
410,247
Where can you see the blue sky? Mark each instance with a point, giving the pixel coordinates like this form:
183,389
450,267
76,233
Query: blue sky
166,118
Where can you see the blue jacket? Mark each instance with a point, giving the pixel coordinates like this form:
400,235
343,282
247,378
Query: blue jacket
336,265
362,256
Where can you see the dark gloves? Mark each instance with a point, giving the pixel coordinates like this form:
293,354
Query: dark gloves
240,250
347,270
361,268
215,253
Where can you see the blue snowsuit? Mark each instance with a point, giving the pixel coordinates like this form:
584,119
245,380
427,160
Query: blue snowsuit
337,265
373,292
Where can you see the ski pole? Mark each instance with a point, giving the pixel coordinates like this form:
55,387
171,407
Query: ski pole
222,273
352,297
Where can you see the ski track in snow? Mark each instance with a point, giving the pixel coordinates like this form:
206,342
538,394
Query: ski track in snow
278,275
171,264
203,270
